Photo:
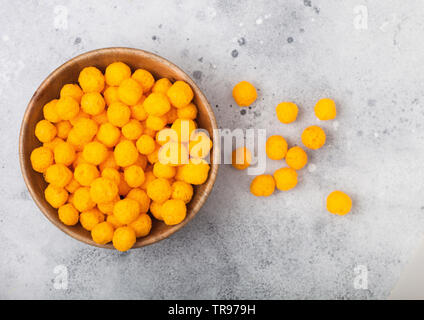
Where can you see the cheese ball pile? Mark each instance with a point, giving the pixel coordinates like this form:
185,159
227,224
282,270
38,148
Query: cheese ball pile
313,137
117,146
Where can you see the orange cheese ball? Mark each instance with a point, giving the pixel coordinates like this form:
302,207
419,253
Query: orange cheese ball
52,144
138,112
95,152
276,147
78,160
173,211
71,90
91,79
107,207
81,115
296,158
85,129
68,214
182,191
118,114
285,178
102,233
58,175
63,128
184,128
64,153
163,170
200,145
156,104
41,158
67,108
156,210
180,94
113,221
93,103
159,190
145,144
141,197
132,130
142,225
112,174
123,238
187,112
241,158
90,218
86,173
134,176
287,112
244,93
130,92
339,203
111,95
156,123
325,109
45,131
103,190
108,134
125,153
313,137
116,73
195,173
82,200
55,196
162,86
173,153
262,185
144,78
50,111
126,210
72,186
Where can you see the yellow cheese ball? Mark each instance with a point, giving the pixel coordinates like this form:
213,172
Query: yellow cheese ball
64,153
287,112
91,79
67,108
182,191
144,78
132,130
159,190
112,174
41,158
244,93
102,233
339,203
90,218
156,104
71,90
296,158
285,178
156,123
55,196
45,131
118,114
50,111
125,153
313,137
276,147
72,186
103,190
63,128
162,86
85,129
134,176
108,134
138,112
325,109
95,152
200,145
68,214
145,144
141,197
130,92
142,225
180,94
184,128
187,112
156,210
111,95
173,211
116,73
126,210
113,221
58,175
163,170
195,173
82,200
123,238
93,103
262,185
241,158
86,173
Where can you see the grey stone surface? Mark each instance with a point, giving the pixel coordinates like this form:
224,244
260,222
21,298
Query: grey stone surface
285,246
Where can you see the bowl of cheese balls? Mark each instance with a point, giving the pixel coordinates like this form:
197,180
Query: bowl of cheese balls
116,148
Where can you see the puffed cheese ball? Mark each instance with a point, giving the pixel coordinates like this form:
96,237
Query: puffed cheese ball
138,112
132,130
156,104
67,108
125,153
156,123
85,129
116,73
86,173
126,210
296,158
162,86
145,144
182,191
91,79
111,95
339,203
108,134
68,214
276,147
173,211
124,238
41,158
118,114
244,93
50,111
325,109
95,152
103,190
163,170
58,175
64,153
156,210
144,78
112,174
72,186
262,185
184,128
130,92
63,129
90,218
285,178
72,90
195,173
159,190
188,112
93,103
241,158
45,131
142,225
180,94
134,176
55,196
102,233
313,137
287,112
141,197
82,200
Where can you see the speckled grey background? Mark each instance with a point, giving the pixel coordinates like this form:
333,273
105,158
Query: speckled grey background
285,246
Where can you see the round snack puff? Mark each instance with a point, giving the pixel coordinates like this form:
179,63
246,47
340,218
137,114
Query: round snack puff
325,109
130,92
162,86
244,93
141,197
118,114
313,137
241,158
67,108
55,196
68,214
90,218
180,94
64,153
108,134
142,225
63,129
159,190
173,211
71,90
91,79
116,73
285,178
125,153
103,190
41,158
50,111
132,130
111,95
95,152
144,78
339,203
82,199
296,158
156,104
287,112
126,210
123,238
86,173
45,131
276,147
102,233
262,185
182,191
58,175
134,176
93,103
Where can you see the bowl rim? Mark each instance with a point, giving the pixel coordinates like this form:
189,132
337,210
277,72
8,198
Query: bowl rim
31,106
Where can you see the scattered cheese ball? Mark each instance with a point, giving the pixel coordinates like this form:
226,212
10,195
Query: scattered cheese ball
313,137
58,175
173,211
241,158
103,190
287,112
95,152
41,158
159,190
91,79
130,92
50,111
71,90
180,94
182,191
125,153
244,93
126,210
93,103
262,185
325,109
68,214
142,225
124,238
45,131
144,78
339,203
55,196
102,233
116,73
67,108
276,147
296,158
285,178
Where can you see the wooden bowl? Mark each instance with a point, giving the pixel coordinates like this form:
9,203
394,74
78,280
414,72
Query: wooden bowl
68,73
